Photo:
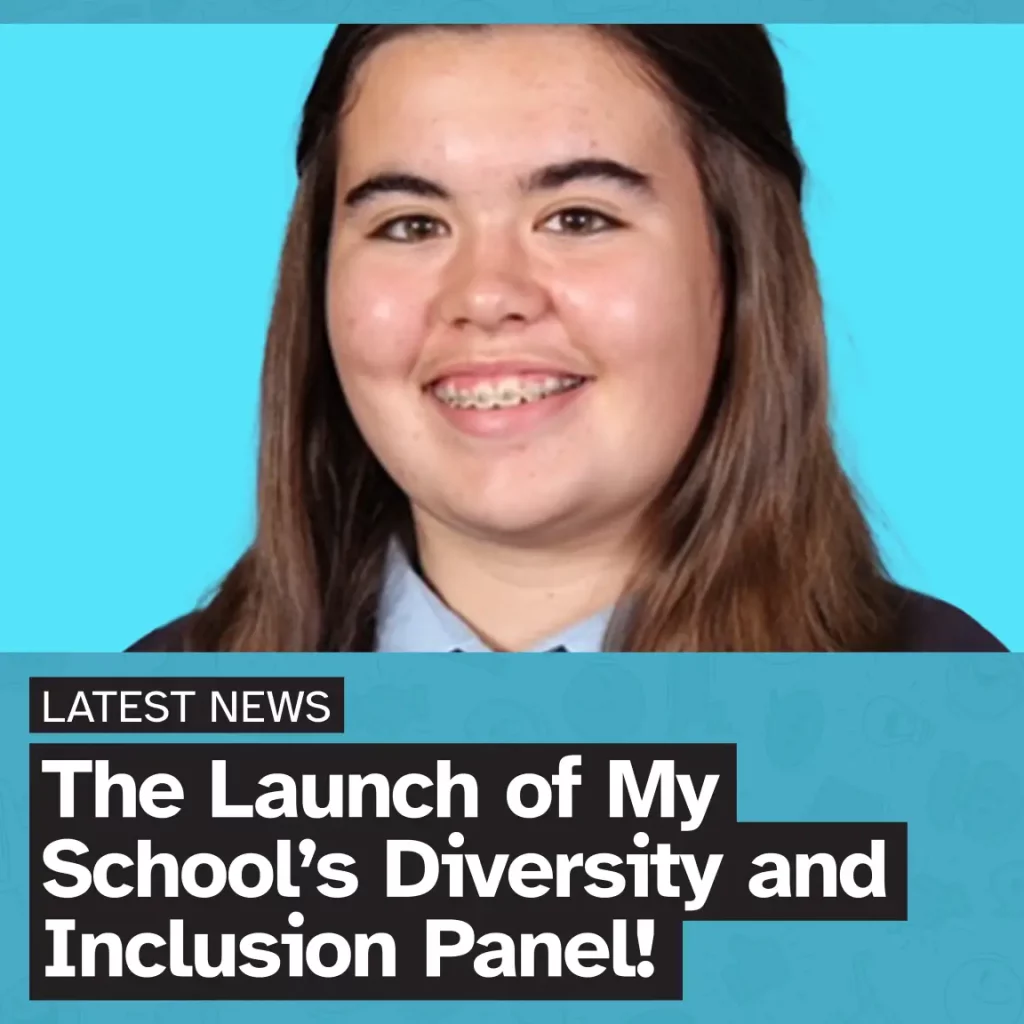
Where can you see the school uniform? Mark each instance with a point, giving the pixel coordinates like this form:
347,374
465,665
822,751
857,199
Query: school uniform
413,619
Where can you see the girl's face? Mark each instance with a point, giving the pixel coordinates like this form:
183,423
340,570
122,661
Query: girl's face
523,296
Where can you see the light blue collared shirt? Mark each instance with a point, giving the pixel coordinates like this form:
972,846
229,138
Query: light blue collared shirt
413,619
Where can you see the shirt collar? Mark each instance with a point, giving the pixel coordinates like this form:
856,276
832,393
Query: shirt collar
413,619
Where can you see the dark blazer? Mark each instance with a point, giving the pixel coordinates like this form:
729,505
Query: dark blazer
925,625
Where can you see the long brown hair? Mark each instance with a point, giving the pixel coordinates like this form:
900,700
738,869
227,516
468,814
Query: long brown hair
758,542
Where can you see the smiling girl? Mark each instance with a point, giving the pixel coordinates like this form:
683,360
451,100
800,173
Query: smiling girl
546,367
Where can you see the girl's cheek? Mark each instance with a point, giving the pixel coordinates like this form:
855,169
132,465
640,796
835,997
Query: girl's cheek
376,326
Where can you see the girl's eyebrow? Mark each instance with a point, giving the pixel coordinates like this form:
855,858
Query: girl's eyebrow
548,178
391,183
554,176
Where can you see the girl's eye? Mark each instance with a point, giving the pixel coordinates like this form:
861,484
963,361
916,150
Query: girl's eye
414,228
581,221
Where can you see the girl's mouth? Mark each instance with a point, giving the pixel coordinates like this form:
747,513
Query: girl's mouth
504,392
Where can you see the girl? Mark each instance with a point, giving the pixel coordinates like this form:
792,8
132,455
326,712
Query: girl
546,367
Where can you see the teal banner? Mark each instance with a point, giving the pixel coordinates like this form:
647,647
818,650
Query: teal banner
928,744
496,11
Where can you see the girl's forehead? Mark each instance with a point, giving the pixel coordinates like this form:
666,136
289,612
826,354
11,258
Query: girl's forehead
544,93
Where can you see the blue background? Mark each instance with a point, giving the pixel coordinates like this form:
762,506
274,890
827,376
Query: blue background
144,186
931,740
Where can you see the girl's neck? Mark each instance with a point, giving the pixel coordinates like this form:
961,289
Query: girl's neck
514,597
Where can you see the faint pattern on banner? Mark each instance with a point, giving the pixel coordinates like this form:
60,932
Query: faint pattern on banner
932,740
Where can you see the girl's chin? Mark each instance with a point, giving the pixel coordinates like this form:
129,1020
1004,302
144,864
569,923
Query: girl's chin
516,521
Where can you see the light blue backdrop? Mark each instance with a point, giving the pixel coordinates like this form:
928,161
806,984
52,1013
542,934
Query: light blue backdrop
144,183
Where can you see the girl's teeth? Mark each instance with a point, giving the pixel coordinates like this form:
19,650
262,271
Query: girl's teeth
505,393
